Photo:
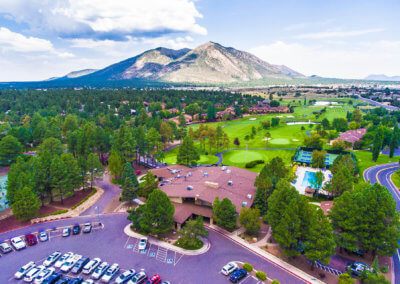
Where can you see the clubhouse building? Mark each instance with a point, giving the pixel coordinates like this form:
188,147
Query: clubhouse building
193,190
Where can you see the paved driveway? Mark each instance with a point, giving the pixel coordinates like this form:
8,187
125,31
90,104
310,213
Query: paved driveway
112,245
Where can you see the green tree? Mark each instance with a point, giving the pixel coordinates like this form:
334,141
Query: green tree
394,141
318,159
314,141
157,215
325,124
10,149
345,278
187,154
129,182
115,164
70,124
319,179
211,113
59,183
26,204
377,144
191,232
150,183
73,171
94,167
341,181
224,213
250,219
320,244
340,124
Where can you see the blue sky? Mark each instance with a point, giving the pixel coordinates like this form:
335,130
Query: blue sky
344,39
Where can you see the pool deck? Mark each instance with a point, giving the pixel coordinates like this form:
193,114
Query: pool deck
301,171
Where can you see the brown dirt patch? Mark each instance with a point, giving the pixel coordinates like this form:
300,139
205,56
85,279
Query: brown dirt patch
4,171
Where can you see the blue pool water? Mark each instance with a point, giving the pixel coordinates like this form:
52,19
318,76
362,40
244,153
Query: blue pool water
308,179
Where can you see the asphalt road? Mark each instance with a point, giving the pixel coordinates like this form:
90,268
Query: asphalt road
382,174
391,108
112,245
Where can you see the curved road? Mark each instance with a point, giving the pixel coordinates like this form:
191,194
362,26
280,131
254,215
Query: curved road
382,174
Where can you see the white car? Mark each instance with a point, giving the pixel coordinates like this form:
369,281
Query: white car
43,236
52,258
124,277
67,266
138,278
43,275
23,270
110,273
33,273
63,259
91,265
88,281
18,243
142,243
229,268
100,270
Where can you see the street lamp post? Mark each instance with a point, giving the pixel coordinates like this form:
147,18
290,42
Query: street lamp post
98,214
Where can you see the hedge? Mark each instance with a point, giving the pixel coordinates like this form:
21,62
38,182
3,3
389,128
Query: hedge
83,200
254,163
248,267
261,275
275,282
54,213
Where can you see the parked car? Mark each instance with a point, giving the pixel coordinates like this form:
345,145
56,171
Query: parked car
156,279
23,270
53,278
166,282
142,243
356,251
87,228
66,232
79,265
52,258
110,273
229,268
67,266
100,270
63,259
18,243
64,280
76,230
138,278
31,239
31,275
358,267
5,248
76,280
44,274
91,265
124,277
238,275
43,236
88,281
138,172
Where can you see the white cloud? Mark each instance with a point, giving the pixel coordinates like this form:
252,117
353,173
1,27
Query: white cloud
106,19
335,34
15,42
339,61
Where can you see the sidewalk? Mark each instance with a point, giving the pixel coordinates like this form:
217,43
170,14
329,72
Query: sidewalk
204,249
270,257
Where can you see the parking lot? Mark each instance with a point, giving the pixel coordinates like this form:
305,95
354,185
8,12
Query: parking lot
112,245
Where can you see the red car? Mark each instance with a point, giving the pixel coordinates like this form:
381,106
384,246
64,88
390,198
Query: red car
31,239
154,280
138,173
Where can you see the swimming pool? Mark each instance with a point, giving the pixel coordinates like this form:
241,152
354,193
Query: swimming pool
309,178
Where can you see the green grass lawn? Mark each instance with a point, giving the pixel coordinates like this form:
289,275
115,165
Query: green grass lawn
396,179
239,158
170,158
364,159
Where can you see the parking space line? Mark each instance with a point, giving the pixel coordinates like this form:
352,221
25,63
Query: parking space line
136,246
176,261
127,242
148,251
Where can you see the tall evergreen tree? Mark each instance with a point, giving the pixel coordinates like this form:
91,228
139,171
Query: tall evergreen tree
224,213
394,141
377,144
129,182
26,204
94,167
187,154
10,149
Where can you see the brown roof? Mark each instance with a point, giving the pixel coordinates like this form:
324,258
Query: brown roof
326,206
184,210
207,188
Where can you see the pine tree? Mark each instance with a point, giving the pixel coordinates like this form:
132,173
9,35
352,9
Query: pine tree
10,149
94,167
377,145
224,213
394,141
187,154
129,183
250,219
115,164
26,204
59,183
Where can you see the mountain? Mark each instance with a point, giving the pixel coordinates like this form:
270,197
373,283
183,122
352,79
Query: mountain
382,77
208,63
76,74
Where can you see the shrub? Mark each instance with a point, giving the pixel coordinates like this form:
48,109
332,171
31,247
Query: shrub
275,282
384,269
83,200
54,213
254,163
248,267
261,275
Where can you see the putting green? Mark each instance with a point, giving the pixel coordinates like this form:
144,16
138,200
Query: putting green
280,141
242,156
